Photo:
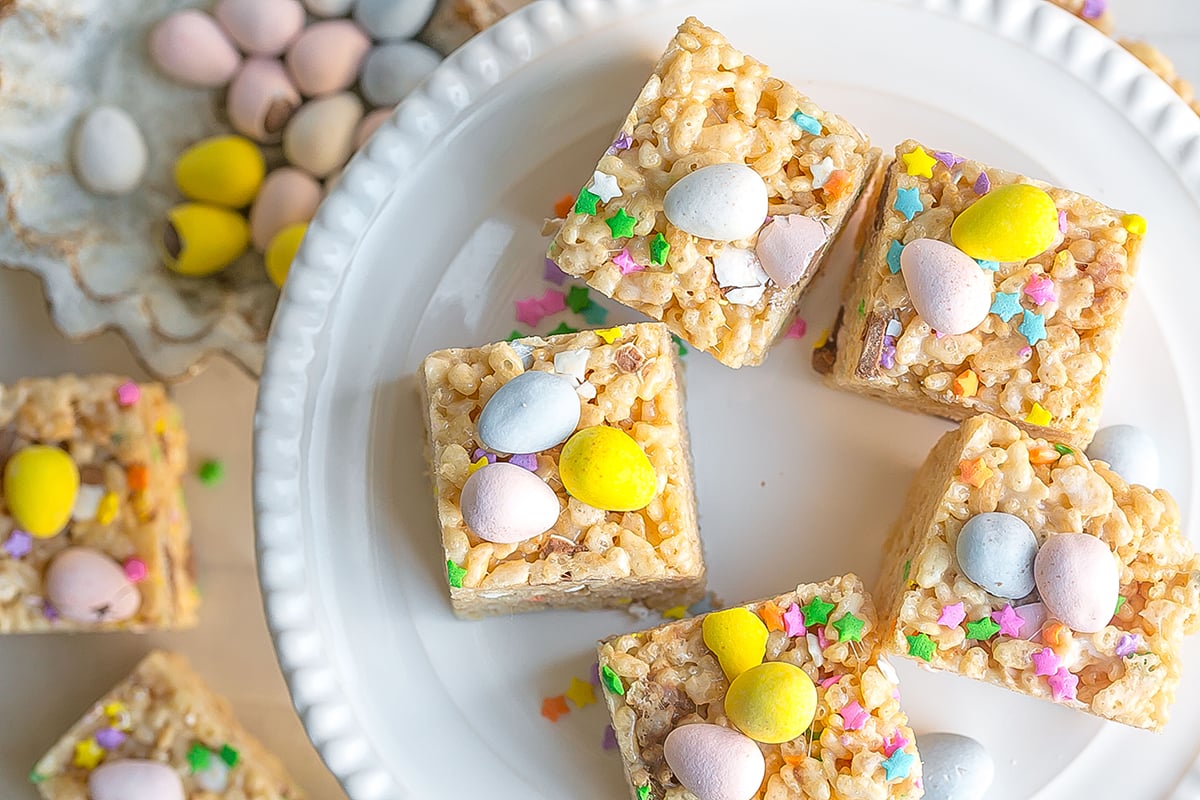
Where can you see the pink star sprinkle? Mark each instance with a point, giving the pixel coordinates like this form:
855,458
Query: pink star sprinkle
529,311
1009,620
1040,289
1062,221
822,642
952,615
135,570
853,716
625,262
793,621
797,330
1045,662
893,742
1062,685
830,681
1025,352
128,393
1127,645
552,302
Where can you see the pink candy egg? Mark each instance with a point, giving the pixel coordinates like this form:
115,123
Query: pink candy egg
261,100
370,123
190,47
327,56
287,196
261,27
86,585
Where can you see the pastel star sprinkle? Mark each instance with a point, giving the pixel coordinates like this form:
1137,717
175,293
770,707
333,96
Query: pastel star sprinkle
643,792
849,628
817,612
563,206
821,172
529,311
1063,685
1006,305
1040,289
110,738
990,266
562,328
1093,9
807,124
1121,599
625,262
921,646
454,574
949,159
1045,662
675,612
513,335
198,757
837,185
609,335
586,202
611,680
894,741
552,273
659,249
128,393
908,202
1062,221
555,707
797,329
609,740
822,639
853,716
893,256
974,472
88,754
897,765
793,621
982,629
594,314
525,461
1127,645
577,298
682,348
581,693
1038,416
825,683
1134,223
919,163
623,142
983,184
965,384
1009,620
772,616
477,465
621,224
952,615
229,755
604,186
18,544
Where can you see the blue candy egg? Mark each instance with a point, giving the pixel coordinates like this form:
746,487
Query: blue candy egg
1130,452
532,412
996,552
954,767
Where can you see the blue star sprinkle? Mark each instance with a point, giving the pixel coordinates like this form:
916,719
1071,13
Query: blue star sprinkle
1033,327
594,314
908,202
807,124
990,266
898,764
893,256
1006,305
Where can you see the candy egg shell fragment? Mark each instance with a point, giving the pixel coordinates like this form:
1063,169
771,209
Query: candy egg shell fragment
1009,223
288,196
190,47
737,637
772,703
40,487
1078,581
996,552
787,245
261,27
200,239
319,138
954,767
261,100
281,252
722,202
1129,451
388,19
134,779
714,762
505,503
532,412
948,289
393,69
606,468
224,170
85,585
369,124
108,151
326,57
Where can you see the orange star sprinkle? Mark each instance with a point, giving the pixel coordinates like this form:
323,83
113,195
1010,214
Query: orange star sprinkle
836,185
1053,635
138,477
555,707
966,384
975,472
563,206
772,615
1043,454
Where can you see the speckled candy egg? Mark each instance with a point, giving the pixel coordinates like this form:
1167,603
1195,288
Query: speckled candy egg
505,503
1130,452
369,124
772,703
134,779
190,47
108,151
261,27
606,468
261,100
1009,223
40,487
1078,580
85,585
737,637
327,56
714,762
319,138
288,196
389,19
532,412
996,552
722,202
948,288
225,170
393,69
787,245
954,767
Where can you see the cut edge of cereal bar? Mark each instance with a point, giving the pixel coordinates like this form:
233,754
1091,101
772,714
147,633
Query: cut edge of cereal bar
689,685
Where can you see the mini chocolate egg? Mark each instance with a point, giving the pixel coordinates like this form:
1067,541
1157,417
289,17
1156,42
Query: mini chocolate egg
505,503
224,170
737,637
389,19
722,202
328,8
714,762
108,151
954,767
606,468
772,703
134,779
41,484
319,138
532,412
393,69
948,288
1078,580
86,585
1009,223
190,47
287,196
370,123
1129,451
787,245
281,252
996,552
327,56
200,239
261,100
261,27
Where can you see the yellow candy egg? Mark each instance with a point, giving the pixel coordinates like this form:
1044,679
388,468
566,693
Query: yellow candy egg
201,239
772,703
224,170
607,469
737,637
40,485
1009,223
282,251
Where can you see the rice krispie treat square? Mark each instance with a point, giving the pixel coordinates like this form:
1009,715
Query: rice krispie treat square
563,472
160,734
716,203
980,290
781,699
1019,562
94,534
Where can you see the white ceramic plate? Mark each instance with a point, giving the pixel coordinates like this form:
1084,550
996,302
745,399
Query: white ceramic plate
435,229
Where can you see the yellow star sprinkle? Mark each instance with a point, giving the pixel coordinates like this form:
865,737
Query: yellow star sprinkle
966,384
106,512
88,754
480,464
581,693
609,335
821,340
1134,223
919,163
677,612
975,472
1038,416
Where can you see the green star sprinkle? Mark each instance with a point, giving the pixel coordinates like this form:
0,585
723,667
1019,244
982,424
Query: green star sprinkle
679,343
862,307
36,777
621,224
562,328
643,792
512,337
659,248
982,629
577,298
199,757
454,573
817,612
849,628
921,646
594,314
229,755
907,570
1121,601
611,680
586,202
211,472
1063,449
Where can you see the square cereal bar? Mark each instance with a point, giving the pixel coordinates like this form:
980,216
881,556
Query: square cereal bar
563,552
163,714
1035,634
726,284
91,494
859,743
1039,354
